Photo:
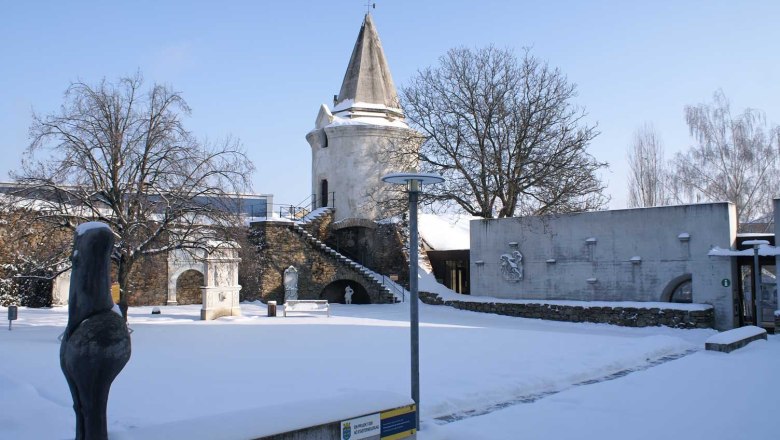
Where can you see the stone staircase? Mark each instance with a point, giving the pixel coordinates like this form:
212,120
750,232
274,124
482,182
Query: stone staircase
372,278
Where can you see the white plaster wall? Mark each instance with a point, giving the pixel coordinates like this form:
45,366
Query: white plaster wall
60,291
649,233
353,163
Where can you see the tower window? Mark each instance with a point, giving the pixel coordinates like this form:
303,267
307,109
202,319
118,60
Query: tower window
324,192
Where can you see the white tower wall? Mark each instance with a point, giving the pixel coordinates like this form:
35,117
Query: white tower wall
353,159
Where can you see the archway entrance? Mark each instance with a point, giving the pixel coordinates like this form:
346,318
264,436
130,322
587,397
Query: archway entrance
334,292
188,287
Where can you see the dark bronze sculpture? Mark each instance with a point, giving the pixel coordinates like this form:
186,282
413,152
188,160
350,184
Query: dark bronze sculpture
96,343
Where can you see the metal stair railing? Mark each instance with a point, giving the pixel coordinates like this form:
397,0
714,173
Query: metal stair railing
365,272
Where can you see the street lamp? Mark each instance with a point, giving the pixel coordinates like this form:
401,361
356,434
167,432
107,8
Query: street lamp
757,306
414,183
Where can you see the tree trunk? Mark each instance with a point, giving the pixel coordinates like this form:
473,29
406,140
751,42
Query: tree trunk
123,278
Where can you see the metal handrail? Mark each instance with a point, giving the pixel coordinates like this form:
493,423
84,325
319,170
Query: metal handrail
395,286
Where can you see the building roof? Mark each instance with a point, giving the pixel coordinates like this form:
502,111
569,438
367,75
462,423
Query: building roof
368,86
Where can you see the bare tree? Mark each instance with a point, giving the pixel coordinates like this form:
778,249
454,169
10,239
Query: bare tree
648,178
118,155
735,159
504,133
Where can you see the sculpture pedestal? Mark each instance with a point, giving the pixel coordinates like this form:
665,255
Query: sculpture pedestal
220,301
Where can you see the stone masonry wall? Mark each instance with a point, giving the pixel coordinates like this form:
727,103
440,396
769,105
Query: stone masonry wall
148,282
625,316
277,247
380,248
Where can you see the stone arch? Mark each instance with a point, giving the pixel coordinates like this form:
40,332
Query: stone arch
176,267
188,286
673,284
220,288
334,292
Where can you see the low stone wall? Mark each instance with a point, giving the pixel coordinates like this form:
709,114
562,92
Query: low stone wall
625,316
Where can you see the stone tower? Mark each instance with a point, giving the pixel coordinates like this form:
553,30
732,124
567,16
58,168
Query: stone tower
353,144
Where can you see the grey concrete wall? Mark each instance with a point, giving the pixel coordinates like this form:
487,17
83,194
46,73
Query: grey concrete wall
587,256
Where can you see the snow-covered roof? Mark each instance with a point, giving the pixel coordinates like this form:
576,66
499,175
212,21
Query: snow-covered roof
764,250
445,232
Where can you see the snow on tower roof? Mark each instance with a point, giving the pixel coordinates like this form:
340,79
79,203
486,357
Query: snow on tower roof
367,82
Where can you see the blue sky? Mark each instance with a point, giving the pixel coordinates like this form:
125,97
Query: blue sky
259,70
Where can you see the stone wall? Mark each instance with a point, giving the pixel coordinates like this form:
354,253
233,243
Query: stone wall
625,316
380,248
188,288
278,247
148,283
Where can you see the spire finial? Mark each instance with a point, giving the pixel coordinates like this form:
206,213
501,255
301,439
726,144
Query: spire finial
369,6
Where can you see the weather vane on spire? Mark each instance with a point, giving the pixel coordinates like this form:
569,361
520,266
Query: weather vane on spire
369,6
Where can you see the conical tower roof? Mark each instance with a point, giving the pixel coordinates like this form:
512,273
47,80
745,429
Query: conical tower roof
368,85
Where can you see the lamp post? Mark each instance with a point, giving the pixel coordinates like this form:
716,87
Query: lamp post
414,183
757,309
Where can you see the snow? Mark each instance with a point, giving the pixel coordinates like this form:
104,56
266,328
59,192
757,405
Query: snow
367,120
735,335
755,242
764,250
84,227
251,376
707,395
445,232
315,214
349,103
276,419
184,371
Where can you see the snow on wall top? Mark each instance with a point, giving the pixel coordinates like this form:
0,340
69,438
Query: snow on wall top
738,334
764,250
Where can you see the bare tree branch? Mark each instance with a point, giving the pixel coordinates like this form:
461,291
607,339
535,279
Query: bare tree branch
121,156
504,134
735,159
648,180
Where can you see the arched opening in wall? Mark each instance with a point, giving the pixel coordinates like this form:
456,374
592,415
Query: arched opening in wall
188,287
335,292
323,193
679,290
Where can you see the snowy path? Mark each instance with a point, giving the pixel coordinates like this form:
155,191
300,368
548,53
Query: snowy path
707,396
531,398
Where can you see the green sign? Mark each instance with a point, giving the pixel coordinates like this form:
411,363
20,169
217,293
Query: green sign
725,282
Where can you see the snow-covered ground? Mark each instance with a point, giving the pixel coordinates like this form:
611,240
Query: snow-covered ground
253,375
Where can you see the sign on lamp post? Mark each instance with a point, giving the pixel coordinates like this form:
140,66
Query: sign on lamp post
414,183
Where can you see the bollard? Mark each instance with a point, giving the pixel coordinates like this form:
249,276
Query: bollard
271,309
12,313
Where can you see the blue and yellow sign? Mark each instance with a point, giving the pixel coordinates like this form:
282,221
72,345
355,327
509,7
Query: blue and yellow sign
398,423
